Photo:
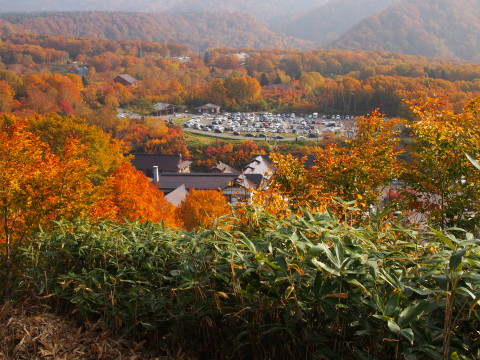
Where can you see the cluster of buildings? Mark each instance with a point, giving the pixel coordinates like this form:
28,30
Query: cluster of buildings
172,175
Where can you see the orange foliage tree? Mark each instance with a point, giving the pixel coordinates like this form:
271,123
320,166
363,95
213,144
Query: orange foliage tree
7,96
173,142
135,198
36,187
202,208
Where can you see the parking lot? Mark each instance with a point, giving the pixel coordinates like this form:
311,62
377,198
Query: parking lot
272,126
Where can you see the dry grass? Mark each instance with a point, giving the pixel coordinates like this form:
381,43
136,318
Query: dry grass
32,332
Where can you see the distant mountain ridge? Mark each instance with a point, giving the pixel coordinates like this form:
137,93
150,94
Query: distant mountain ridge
328,22
445,28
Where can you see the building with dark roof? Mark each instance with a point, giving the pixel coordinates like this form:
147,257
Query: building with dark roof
125,79
260,164
166,163
209,108
165,109
234,186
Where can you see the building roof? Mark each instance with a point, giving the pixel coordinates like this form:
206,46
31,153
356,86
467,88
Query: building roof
200,181
209,106
162,106
127,78
255,179
171,163
260,164
177,196
224,168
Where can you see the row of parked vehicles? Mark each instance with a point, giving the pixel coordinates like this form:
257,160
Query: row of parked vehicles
263,123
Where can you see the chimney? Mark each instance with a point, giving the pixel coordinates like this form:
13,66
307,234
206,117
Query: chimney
156,177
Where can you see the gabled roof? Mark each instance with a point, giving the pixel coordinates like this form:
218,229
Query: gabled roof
177,196
260,164
171,163
209,106
199,181
162,106
127,78
224,168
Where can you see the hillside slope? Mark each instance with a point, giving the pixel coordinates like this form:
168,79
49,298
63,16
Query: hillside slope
200,31
264,9
326,23
448,28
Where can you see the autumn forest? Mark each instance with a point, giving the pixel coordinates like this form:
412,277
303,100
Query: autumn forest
349,248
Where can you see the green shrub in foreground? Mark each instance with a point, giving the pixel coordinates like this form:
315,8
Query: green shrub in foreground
305,287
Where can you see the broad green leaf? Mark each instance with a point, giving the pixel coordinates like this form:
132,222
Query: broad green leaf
281,262
446,240
411,312
357,283
392,304
315,250
325,267
456,259
393,327
408,334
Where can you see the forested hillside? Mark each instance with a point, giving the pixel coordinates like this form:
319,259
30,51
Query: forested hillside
200,31
447,28
326,23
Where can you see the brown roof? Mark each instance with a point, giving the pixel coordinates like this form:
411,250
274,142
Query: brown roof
169,163
162,106
209,106
177,196
200,181
129,79
224,168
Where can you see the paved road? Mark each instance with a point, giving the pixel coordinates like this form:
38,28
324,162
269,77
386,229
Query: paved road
231,136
